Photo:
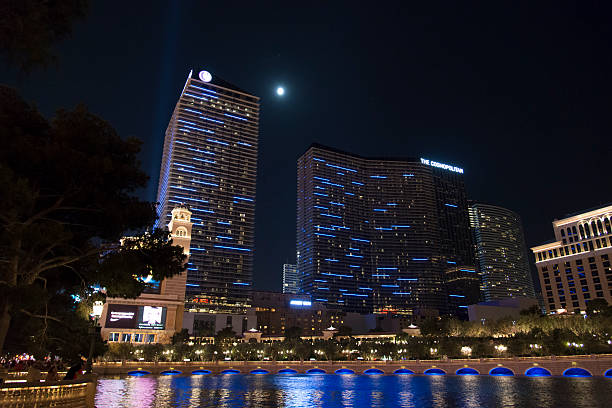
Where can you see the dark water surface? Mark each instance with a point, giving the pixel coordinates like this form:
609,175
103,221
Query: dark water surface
353,391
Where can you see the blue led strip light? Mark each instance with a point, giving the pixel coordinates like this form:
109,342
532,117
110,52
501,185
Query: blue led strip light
217,141
233,248
341,168
336,274
235,117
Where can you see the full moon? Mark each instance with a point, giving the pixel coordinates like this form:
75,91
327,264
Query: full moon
280,91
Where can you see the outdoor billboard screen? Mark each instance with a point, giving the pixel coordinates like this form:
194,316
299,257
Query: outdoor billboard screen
121,316
136,317
151,318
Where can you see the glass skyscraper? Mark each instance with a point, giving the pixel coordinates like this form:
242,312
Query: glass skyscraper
290,279
501,254
381,234
210,163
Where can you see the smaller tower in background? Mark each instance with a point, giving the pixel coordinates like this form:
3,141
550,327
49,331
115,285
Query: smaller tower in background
290,279
501,254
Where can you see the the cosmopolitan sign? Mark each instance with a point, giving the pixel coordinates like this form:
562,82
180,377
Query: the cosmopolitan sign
442,165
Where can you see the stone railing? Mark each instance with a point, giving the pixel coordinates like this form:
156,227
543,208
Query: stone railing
77,393
597,365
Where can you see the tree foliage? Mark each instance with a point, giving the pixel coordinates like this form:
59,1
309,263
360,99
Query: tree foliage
30,28
67,189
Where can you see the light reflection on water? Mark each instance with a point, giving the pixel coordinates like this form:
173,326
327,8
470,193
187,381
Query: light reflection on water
309,391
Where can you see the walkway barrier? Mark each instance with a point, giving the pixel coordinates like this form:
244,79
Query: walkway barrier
77,393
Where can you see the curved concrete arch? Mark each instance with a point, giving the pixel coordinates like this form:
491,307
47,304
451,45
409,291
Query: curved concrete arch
403,371
373,371
577,372
201,372
344,371
316,371
537,372
230,371
139,373
608,373
259,371
467,371
434,371
171,372
501,372
287,371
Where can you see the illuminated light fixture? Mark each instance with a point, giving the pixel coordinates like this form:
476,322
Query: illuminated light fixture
98,306
205,76
296,302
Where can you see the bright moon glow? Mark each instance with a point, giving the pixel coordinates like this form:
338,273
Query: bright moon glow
280,91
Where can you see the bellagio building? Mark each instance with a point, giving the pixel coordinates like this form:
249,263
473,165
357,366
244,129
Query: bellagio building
210,163
575,268
155,315
383,235
501,254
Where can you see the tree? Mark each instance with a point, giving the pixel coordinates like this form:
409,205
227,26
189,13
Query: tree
180,337
293,332
67,189
595,306
225,337
534,310
30,28
344,331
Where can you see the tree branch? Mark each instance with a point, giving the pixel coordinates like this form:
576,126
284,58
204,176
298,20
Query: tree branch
42,316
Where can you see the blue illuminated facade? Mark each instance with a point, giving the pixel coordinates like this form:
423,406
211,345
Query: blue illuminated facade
210,163
378,235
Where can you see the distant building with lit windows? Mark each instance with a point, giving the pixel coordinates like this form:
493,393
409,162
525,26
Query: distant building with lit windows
290,279
209,162
157,314
501,254
379,235
575,268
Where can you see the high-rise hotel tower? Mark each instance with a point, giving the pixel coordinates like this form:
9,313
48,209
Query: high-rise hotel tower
383,235
501,254
210,163
575,268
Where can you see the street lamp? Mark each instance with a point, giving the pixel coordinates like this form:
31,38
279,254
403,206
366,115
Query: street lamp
96,312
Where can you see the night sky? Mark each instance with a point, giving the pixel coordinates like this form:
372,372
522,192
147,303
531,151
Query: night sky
519,96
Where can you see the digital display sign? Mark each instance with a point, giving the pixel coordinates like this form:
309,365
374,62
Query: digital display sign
121,316
151,318
136,317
